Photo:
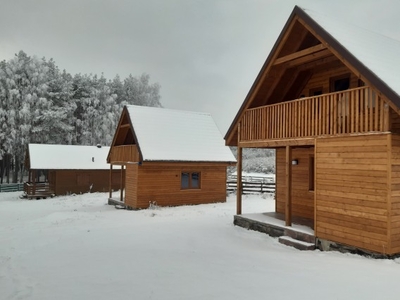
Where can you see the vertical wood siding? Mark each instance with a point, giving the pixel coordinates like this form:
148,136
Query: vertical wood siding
131,183
79,181
124,153
352,191
302,198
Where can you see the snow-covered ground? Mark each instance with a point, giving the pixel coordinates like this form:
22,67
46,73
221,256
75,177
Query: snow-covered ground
77,247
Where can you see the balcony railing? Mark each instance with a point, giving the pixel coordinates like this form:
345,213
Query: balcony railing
33,189
357,110
124,153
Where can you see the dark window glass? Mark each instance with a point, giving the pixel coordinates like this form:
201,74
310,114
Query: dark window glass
341,84
185,180
195,182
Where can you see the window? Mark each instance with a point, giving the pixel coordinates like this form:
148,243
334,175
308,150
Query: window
311,176
190,180
341,83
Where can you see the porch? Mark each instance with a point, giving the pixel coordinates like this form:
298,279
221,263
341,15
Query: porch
299,235
38,190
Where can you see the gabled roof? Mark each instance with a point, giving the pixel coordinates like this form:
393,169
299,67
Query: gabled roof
373,57
173,135
67,157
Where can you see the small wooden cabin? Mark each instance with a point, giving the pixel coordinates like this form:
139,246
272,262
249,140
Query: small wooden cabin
328,100
171,158
65,169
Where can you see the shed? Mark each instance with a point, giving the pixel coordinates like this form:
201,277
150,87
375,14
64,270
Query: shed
171,158
328,100
68,168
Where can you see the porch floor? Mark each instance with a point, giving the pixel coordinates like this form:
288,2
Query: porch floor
273,224
115,201
278,219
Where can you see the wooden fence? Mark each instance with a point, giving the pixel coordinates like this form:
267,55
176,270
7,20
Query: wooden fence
251,185
11,187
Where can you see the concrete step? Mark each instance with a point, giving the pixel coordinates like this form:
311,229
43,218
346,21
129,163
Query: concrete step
301,236
300,245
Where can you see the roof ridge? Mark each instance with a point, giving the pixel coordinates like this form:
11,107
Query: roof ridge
169,109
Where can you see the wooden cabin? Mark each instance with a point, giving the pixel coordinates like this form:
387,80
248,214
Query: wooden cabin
170,158
328,100
66,169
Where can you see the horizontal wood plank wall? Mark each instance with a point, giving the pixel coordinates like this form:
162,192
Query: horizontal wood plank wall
79,181
161,182
302,198
352,191
395,195
322,78
131,184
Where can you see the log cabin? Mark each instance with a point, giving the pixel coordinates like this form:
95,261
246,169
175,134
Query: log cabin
170,158
327,99
68,169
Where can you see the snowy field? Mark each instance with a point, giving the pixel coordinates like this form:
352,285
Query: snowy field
77,247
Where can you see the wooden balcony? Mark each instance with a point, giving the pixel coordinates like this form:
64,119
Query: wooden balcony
123,154
358,110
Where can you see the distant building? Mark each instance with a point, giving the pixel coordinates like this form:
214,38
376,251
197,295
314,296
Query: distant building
170,158
69,169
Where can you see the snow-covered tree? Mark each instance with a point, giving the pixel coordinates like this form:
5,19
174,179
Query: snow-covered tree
139,91
40,104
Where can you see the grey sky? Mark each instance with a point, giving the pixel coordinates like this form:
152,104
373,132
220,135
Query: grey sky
205,54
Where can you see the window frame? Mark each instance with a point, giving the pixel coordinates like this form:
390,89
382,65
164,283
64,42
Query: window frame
190,179
332,81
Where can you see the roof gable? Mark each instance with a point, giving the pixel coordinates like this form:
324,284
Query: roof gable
372,57
173,135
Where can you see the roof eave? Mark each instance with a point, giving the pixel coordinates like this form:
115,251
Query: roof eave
363,70
230,132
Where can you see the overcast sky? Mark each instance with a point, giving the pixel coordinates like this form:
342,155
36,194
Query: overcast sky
204,54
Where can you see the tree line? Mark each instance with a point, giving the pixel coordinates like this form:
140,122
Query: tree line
41,104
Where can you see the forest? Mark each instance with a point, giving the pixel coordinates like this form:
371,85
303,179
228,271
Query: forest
39,103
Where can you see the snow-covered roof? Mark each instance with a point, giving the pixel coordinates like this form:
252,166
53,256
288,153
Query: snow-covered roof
376,52
370,54
175,135
68,157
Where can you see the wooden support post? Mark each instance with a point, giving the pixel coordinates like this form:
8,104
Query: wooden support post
239,188
34,182
110,182
122,184
288,206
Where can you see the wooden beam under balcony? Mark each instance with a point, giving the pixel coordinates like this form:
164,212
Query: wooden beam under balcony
309,52
278,143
